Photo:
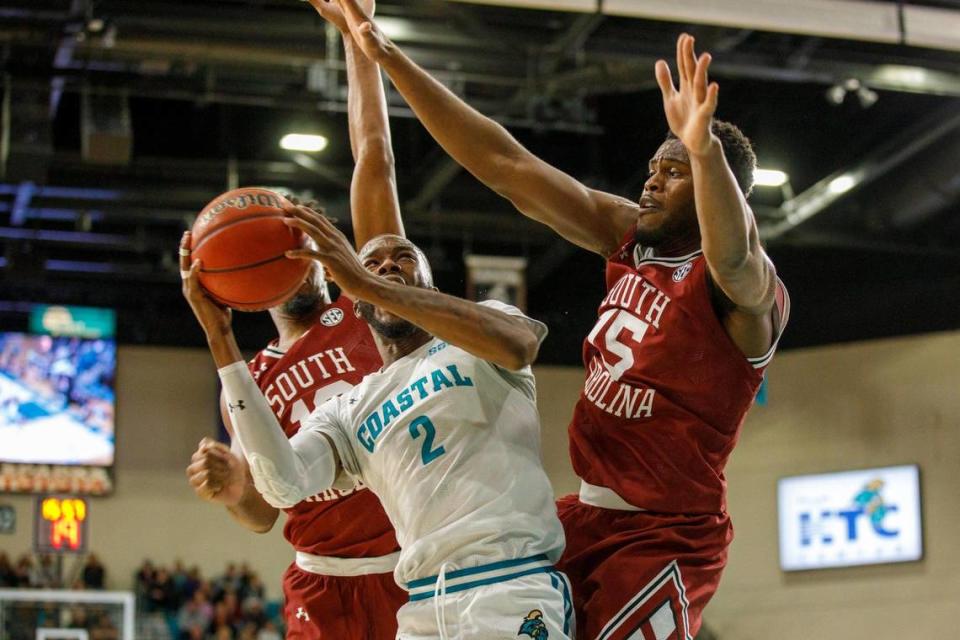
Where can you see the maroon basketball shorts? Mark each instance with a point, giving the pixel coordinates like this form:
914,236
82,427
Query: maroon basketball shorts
326,607
639,574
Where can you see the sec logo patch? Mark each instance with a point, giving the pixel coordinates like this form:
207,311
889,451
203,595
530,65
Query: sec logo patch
682,272
331,317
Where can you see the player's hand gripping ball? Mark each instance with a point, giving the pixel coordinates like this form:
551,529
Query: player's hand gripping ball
240,240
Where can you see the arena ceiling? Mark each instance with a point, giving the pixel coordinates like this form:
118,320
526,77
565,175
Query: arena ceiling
123,117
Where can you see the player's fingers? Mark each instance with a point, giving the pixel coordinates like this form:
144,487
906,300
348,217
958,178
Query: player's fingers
317,235
353,10
690,60
713,94
184,251
206,491
680,59
664,79
302,254
700,77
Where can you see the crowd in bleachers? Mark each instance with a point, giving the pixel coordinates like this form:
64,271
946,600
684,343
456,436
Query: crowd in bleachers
42,572
173,603
231,606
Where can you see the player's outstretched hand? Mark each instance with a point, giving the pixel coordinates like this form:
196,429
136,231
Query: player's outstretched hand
216,474
330,11
331,248
690,107
214,318
369,37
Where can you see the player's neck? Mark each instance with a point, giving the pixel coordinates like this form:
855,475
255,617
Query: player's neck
679,246
393,350
291,328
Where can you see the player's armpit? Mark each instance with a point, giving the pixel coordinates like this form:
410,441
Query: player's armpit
753,329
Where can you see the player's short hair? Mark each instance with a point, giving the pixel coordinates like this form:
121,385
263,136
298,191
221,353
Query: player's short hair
737,149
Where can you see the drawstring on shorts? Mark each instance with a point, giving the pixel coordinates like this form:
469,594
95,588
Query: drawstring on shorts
439,593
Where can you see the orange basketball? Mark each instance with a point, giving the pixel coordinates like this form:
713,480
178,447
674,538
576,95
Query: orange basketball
240,239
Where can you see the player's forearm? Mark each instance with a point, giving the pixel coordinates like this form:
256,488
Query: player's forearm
487,333
282,474
480,145
223,346
730,240
374,203
253,512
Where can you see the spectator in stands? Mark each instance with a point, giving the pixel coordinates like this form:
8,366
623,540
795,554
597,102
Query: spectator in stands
269,632
160,594
23,572
195,616
45,574
8,575
93,573
143,579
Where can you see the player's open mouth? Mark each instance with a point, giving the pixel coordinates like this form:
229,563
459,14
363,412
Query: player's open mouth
647,202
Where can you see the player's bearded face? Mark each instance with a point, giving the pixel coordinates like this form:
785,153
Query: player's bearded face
667,210
397,260
308,297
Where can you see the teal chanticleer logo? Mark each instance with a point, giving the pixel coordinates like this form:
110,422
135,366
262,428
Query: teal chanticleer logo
871,503
533,626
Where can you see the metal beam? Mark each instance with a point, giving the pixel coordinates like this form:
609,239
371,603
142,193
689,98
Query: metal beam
438,177
893,152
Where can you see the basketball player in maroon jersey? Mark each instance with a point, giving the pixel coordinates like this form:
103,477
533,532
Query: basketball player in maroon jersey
691,318
341,584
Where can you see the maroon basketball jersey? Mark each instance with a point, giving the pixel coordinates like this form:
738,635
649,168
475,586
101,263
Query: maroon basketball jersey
332,357
666,389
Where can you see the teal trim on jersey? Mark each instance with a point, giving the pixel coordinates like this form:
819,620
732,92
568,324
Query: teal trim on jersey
493,566
559,582
481,583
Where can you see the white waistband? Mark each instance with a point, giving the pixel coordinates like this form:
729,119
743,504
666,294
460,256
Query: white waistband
330,566
604,498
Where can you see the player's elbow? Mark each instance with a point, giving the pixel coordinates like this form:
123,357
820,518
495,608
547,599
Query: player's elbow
522,352
376,150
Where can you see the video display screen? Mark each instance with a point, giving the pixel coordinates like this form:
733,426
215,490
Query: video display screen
57,400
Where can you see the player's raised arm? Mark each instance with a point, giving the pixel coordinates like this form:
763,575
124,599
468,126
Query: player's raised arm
591,219
392,275
284,471
730,239
374,204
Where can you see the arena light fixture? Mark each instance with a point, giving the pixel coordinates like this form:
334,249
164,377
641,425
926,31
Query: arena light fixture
769,178
842,184
303,142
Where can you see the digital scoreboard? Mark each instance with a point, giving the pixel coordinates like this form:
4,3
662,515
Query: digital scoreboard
60,525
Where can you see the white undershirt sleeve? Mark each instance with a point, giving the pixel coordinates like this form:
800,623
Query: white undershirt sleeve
285,472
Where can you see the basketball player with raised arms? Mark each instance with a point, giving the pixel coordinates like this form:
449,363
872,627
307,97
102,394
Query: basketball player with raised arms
446,433
691,318
341,584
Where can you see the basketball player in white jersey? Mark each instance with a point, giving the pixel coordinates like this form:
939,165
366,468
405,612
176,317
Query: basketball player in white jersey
446,434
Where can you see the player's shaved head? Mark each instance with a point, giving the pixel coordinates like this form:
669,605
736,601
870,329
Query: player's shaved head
388,243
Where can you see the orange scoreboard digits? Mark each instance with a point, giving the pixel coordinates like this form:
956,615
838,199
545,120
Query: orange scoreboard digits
61,525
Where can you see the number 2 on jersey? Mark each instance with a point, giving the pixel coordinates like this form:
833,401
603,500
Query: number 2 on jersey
427,453
612,344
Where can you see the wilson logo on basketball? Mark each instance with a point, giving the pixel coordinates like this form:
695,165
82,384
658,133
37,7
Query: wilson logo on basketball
682,272
331,317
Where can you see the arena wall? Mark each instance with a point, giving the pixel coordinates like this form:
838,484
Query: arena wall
843,407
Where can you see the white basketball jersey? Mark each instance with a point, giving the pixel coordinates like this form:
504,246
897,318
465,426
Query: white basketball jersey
451,445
